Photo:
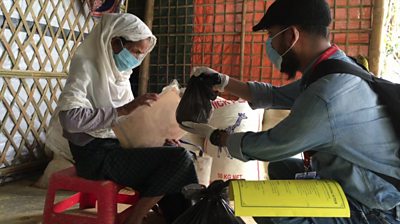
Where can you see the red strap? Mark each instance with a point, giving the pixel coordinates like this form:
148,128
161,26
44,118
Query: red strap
327,54
324,56
307,160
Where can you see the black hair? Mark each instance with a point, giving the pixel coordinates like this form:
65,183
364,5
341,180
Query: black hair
316,30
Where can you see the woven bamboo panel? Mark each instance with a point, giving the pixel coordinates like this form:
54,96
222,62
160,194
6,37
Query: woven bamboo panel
41,35
218,34
37,41
173,26
27,105
226,28
224,39
352,25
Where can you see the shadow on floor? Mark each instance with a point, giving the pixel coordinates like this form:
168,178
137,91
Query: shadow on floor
21,203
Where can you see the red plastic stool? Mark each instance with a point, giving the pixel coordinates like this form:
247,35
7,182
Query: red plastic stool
105,192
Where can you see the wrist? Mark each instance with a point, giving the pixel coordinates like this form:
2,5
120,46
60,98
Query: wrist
121,111
218,137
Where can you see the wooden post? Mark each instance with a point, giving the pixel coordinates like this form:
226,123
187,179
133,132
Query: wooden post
243,39
376,44
145,66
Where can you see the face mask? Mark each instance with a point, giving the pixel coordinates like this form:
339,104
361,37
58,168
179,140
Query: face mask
124,60
273,55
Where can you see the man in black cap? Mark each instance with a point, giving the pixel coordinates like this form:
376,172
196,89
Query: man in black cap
338,118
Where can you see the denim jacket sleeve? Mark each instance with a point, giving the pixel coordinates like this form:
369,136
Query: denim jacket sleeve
267,96
291,136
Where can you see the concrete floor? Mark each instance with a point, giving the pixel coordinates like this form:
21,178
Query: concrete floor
21,203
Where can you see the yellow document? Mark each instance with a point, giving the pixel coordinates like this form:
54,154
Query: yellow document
289,198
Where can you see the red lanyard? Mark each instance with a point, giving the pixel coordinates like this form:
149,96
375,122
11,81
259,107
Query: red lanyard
307,160
327,54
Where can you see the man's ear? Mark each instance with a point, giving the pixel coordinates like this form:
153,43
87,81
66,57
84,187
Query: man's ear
292,35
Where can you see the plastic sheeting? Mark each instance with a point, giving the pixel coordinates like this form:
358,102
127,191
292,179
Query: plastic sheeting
218,36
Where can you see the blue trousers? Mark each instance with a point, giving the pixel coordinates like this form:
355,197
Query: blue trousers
359,213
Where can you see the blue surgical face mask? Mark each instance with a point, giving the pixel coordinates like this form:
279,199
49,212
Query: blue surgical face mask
273,55
124,60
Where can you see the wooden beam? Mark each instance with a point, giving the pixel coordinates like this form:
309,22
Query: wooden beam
144,70
31,74
376,46
243,39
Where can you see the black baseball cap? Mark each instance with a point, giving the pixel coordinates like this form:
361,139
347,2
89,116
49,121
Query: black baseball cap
296,12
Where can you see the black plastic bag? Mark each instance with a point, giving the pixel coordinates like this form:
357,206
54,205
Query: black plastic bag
195,103
172,206
210,205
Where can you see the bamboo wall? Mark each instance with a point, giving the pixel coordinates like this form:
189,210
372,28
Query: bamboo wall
37,41
217,33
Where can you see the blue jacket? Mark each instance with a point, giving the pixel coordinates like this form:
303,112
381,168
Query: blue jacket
339,117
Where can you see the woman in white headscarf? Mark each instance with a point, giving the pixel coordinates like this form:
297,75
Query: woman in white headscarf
97,91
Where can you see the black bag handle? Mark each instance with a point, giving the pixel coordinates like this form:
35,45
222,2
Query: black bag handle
388,92
332,66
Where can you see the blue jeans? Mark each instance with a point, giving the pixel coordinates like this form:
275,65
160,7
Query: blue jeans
359,213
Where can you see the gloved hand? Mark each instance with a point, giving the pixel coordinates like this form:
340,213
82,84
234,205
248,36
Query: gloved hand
218,79
201,129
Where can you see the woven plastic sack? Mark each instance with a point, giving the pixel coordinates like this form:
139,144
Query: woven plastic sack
150,126
234,116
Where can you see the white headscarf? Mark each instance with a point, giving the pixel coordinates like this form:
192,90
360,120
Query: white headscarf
94,80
